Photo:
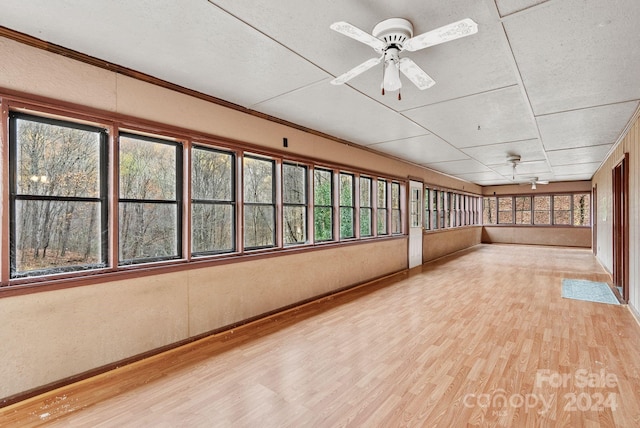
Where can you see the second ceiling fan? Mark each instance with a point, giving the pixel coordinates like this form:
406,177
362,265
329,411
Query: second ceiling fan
392,36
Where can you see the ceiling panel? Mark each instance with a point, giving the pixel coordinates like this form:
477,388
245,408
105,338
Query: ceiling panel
585,127
191,43
577,53
423,149
488,118
592,154
342,112
496,154
507,7
459,167
578,168
485,178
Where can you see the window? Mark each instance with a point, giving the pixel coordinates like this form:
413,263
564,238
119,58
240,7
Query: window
441,208
366,219
542,210
396,216
489,213
294,201
582,209
347,208
382,207
323,204
58,196
427,209
435,195
150,218
259,202
213,208
415,208
505,210
562,209
523,209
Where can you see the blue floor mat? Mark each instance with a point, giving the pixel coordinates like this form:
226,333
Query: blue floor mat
591,291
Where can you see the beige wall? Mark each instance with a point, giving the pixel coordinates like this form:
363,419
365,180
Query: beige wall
48,336
538,235
439,243
604,230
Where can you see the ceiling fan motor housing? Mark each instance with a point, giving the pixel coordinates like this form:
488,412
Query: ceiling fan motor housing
394,32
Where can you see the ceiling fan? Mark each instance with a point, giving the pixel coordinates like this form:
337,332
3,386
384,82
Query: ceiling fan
392,36
534,182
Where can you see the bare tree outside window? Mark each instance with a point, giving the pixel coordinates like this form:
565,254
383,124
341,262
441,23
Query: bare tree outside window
366,220
383,229
213,207
323,204
259,202
150,205
294,201
347,208
58,196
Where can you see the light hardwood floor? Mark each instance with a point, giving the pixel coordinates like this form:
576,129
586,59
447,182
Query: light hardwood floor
481,338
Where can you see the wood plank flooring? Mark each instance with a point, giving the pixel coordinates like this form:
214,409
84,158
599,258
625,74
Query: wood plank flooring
481,338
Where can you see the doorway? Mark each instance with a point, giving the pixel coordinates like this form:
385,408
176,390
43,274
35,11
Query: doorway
416,190
620,181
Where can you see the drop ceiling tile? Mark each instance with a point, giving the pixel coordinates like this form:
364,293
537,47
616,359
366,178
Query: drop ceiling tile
488,118
507,7
534,168
466,166
580,168
578,177
496,154
191,43
582,155
342,112
488,176
422,149
577,53
585,127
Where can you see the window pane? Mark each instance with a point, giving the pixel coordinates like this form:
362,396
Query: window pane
542,210
147,169
259,226
382,222
346,189
396,215
294,188
147,231
505,210
258,180
365,192
56,160
323,223
366,221
346,206
415,208
582,209
489,214
213,227
322,193
295,224
212,175
57,234
346,222
382,193
523,209
562,209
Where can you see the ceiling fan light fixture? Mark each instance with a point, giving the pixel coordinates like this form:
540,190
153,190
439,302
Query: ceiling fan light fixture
533,186
391,81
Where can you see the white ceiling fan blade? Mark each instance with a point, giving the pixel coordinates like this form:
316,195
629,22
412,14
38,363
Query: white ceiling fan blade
356,71
359,35
417,75
453,31
542,182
